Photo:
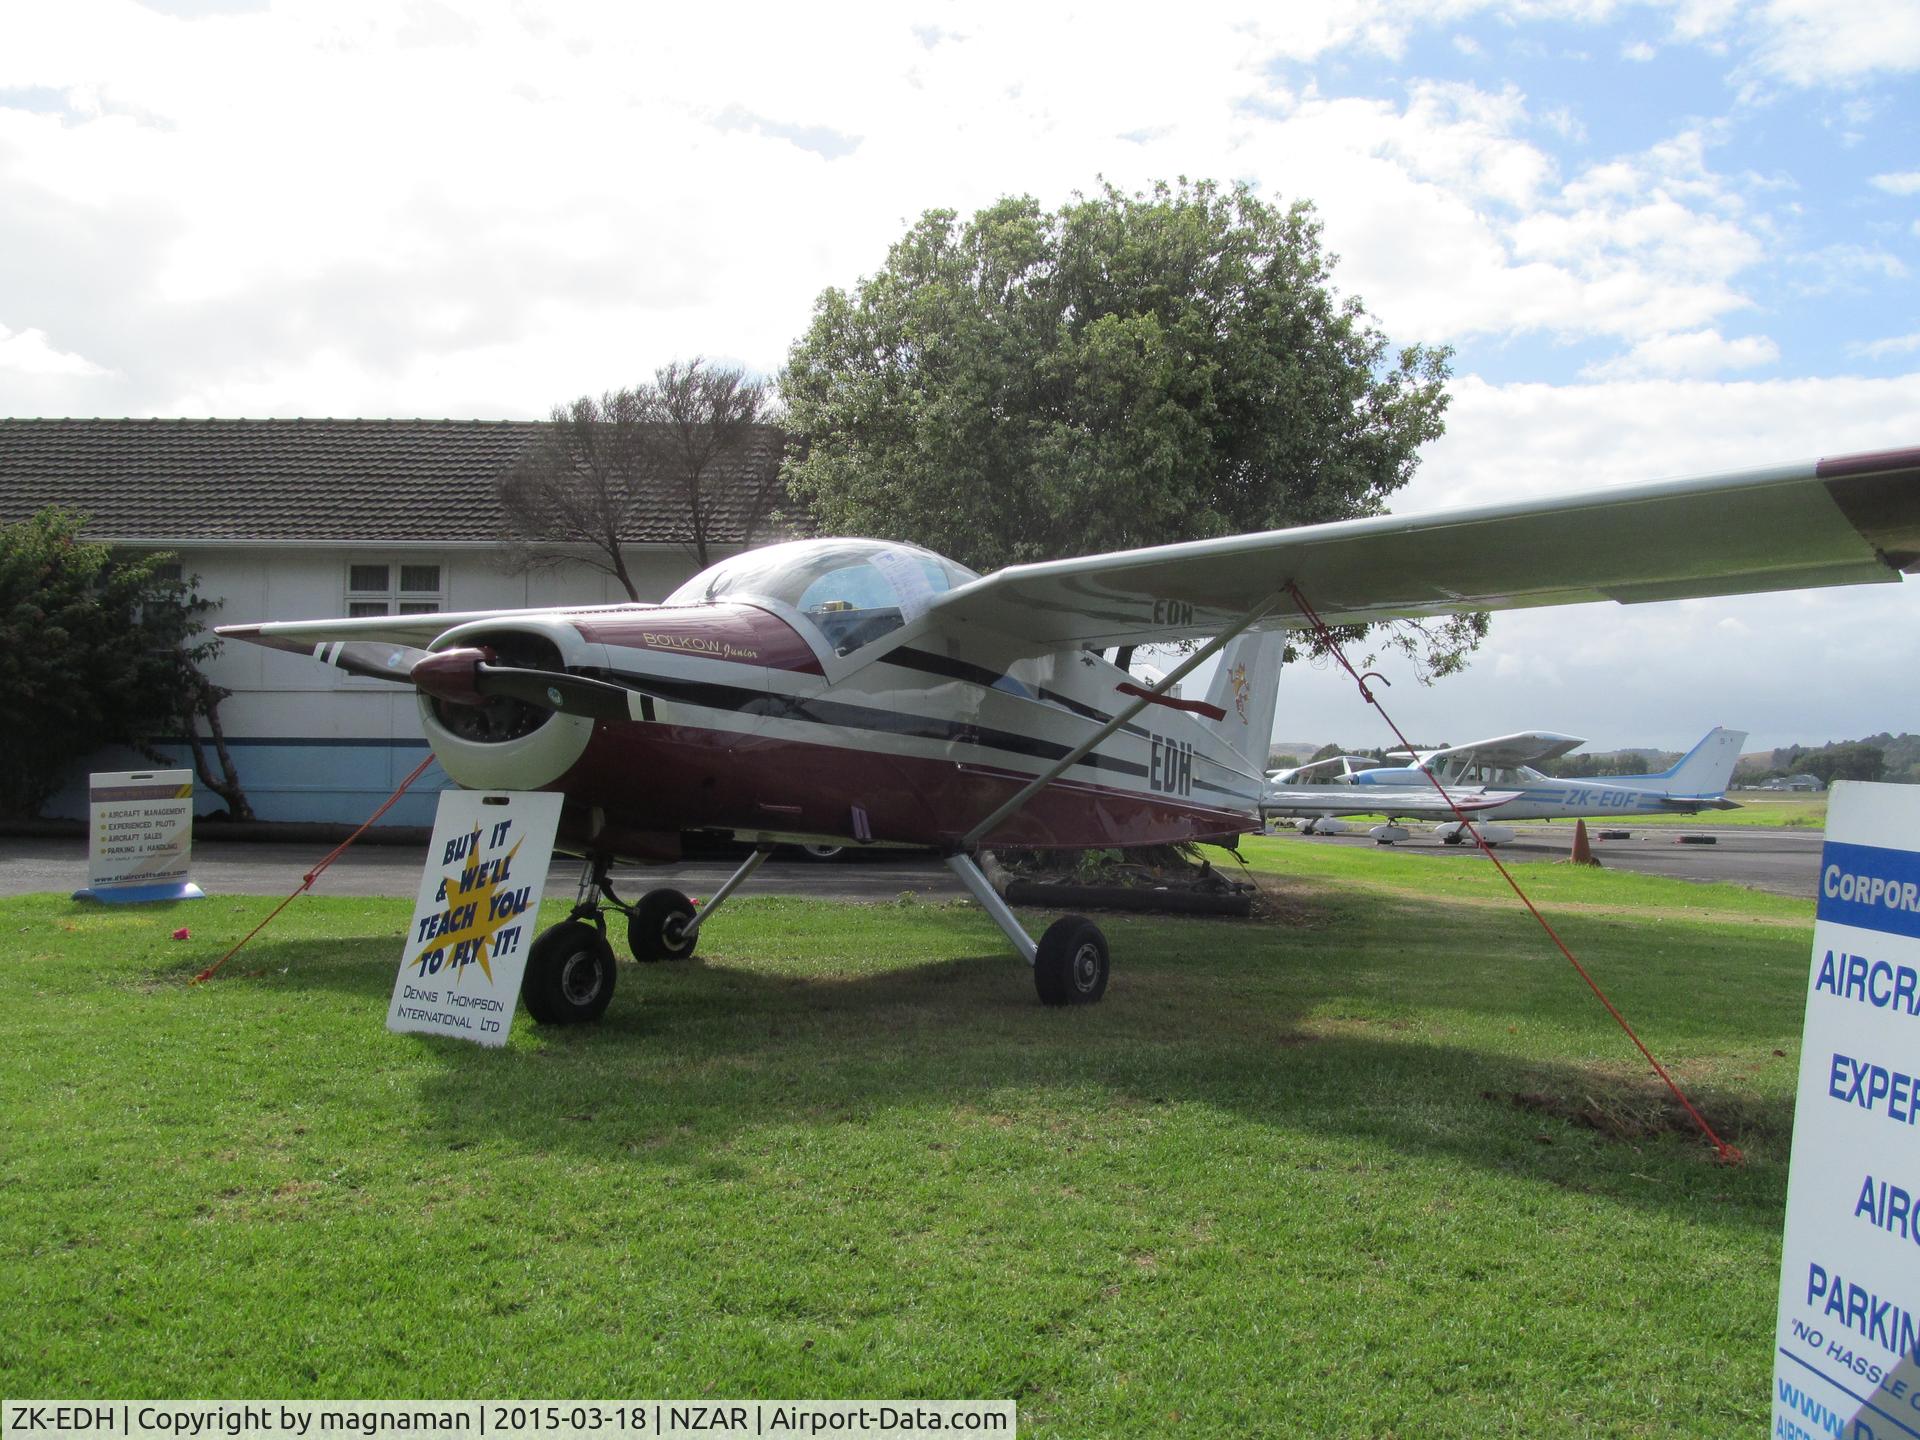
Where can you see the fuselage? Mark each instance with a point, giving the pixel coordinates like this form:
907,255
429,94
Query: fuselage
1544,797
837,723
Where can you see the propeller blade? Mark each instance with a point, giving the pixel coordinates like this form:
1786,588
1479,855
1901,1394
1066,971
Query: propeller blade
555,690
468,676
373,659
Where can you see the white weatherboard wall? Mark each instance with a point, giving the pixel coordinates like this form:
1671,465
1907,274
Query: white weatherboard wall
312,744
1847,1356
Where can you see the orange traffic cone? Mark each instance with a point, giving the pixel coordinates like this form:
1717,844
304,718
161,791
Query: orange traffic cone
1582,851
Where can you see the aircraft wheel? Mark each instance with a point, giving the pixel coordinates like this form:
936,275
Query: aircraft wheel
655,926
1071,966
569,976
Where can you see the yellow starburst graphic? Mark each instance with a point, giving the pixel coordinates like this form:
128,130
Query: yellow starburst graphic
480,901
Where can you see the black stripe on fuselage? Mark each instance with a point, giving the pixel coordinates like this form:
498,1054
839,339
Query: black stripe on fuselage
842,715
909,658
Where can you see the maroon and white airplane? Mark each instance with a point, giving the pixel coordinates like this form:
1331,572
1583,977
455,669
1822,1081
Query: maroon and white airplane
869,693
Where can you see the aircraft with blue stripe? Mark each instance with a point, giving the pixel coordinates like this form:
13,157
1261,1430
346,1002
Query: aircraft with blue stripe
1496,780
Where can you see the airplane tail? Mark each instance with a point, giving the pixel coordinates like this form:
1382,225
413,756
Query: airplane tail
1703,772
1246,685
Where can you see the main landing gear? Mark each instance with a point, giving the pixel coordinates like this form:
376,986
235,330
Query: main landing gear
570,969
1069,963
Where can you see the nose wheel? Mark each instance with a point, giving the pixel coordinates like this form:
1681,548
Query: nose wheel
570,974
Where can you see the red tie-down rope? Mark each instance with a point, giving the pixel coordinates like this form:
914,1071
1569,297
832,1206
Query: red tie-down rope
306,881
1728,1154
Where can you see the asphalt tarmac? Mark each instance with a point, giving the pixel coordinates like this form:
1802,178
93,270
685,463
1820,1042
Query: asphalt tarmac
1783,861
1786,862
225,867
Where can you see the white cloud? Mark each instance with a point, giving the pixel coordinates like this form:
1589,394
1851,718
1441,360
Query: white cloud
1508,441
1822,42
1881,349
1846,269
1906,182
1693,354
1654,674
1639,51
417,210
28,352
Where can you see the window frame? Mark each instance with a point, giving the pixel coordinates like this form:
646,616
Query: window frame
393,597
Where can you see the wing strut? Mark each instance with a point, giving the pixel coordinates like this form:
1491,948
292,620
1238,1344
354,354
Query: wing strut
1143,698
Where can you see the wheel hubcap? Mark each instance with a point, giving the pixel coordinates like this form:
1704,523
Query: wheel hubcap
1086,967
580,978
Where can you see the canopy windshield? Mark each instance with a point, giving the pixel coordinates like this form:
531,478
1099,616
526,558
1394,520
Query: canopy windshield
851,591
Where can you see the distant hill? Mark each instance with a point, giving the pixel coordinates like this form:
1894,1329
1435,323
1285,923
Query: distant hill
1596,764
1839,759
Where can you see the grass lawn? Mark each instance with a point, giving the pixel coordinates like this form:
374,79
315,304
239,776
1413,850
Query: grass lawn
1376,1166
1781,809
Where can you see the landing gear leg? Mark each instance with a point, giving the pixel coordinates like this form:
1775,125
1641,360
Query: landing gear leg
570,972
664,925
1069,963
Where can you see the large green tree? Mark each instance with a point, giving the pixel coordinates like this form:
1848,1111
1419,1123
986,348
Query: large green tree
95,649
1127,370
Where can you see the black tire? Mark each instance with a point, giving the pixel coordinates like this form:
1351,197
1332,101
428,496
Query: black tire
823,852
1071,966
653,927
569,976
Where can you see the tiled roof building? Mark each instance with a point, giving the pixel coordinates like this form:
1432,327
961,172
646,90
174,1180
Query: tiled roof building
318,480
308,519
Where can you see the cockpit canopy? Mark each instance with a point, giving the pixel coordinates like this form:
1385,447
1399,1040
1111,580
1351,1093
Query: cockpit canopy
851,591
1464,770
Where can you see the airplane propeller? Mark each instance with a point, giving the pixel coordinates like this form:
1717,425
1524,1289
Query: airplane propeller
469,676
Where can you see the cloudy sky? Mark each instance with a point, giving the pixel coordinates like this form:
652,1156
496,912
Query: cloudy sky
1663,238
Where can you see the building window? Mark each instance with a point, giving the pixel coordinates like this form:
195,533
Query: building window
392,588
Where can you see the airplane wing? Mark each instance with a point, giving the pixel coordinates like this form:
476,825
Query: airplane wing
1844,521
370,635
1334,767
1416,802
1532,747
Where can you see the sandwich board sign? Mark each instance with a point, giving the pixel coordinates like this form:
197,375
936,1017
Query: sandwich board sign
1847,1343
139,837
474,917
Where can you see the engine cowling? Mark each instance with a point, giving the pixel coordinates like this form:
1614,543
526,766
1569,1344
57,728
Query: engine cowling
501,743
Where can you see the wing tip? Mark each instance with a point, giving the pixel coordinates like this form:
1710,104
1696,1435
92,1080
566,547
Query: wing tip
1879,493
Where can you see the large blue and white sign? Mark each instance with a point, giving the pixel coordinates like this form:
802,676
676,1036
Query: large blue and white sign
1847,1356
473,920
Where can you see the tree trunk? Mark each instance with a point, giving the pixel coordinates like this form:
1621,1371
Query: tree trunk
225,784
620,574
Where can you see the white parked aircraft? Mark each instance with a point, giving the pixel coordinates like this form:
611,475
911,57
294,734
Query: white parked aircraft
1493,780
